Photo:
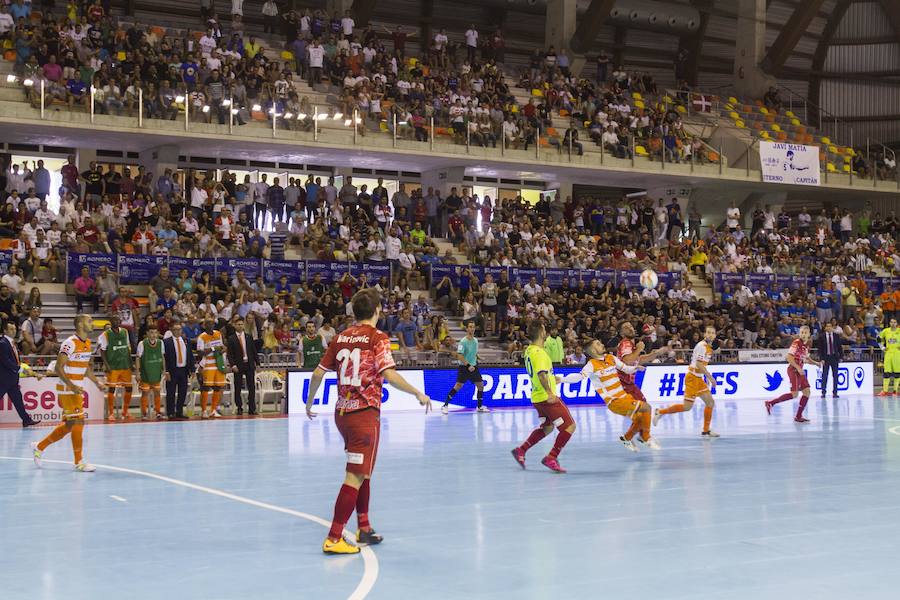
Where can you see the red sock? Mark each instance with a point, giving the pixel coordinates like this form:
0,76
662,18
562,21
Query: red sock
536,436
362,506
562,438
782,398
802,406
343,508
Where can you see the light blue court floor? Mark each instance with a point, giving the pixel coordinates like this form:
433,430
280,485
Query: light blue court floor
770,510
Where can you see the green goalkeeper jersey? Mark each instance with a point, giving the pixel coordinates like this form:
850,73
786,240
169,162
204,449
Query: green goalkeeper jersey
890,339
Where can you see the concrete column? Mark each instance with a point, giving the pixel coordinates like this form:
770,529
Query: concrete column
559,25
443,180
84,157
159,158
750,49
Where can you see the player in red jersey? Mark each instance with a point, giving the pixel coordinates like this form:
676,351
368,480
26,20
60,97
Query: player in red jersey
629,352
796,356
361,356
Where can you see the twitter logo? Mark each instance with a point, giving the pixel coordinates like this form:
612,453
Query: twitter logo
773,381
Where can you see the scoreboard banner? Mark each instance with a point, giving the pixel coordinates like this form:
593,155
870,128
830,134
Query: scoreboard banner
511,387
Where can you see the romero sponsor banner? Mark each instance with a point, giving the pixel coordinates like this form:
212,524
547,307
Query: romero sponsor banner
511,387
75,262
5,261
42,404
140,268
295,270
789,163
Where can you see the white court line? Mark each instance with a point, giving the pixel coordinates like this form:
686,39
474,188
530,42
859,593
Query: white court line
895,430
370,560
118,498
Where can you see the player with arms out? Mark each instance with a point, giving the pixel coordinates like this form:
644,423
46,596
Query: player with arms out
467,354
603,370
890,343
695,384
73,365
629,352
212,350
552,411
797,355
361,356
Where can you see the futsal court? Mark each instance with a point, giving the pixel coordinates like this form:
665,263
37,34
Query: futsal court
238,509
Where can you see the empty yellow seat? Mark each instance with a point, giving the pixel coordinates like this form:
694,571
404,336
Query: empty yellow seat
831,168
764,110
740,124
790,115
832,149
764,135
681,109
795,122
826,140
641,151
639,104
636,96
776,128
734,115
668,98
732,100
846,168
851,152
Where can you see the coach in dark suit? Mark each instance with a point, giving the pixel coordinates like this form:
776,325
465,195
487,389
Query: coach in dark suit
830,353
9,373
241,351
179,366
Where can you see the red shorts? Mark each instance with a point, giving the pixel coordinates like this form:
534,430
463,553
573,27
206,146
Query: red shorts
634,391
798,380
360,430
557,413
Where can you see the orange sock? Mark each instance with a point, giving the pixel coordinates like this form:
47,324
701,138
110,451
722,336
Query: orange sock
707,417
644,419
77,441
111,402
673,408
144,402
217,397
54,436
635,427
126,402
157,402
204,398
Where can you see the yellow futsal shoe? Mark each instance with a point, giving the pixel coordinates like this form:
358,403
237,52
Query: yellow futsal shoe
341,546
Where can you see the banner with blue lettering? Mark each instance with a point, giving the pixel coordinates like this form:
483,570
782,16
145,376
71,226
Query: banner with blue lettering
760,281
733,280
877,284
374,271
5,261
524,274
331,271
495,272
555,277
295,270
250,266
439,271
669,278
75,262
140,268
601,275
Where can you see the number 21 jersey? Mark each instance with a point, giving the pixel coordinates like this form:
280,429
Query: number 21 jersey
359,355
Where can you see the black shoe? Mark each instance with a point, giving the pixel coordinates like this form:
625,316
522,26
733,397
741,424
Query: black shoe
30,423
253,413
240,411
368,537
834,396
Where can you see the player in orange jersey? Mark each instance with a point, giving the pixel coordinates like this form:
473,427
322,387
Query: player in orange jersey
695,386
603,370
73,365
797,355
212,375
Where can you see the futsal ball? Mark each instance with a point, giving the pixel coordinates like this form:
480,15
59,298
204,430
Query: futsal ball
649,279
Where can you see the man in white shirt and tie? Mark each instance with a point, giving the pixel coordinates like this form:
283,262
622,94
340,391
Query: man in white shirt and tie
241,351
830,354
179,361
9,373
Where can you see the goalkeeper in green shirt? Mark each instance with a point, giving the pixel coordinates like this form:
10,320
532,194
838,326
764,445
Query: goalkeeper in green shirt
890,343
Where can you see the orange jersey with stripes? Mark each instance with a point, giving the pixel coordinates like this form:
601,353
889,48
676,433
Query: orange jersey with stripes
701,357
604,375
210,341
78,360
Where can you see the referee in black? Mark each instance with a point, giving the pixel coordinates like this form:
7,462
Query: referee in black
467,354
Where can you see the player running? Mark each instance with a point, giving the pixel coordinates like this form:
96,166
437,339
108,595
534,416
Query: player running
211,347
694,385
797,354
549,406
603,370
115,350
149,372
73,364
361,356
467,354
890,343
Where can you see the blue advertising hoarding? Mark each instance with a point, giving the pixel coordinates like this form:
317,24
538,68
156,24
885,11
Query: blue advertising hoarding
140,268
76,262
295,270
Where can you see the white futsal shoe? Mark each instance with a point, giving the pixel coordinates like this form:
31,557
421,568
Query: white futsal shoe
84,467
629,444
651,443
37,453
